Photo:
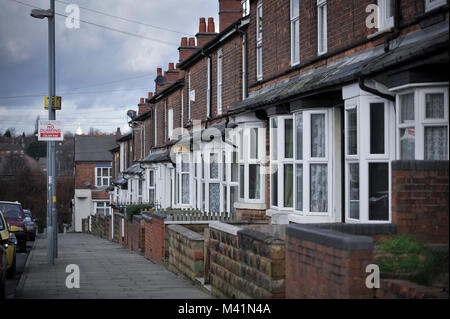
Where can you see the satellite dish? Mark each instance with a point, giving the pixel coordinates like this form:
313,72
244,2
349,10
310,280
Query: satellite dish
131,114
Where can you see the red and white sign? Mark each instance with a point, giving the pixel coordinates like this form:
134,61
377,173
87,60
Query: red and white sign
50,131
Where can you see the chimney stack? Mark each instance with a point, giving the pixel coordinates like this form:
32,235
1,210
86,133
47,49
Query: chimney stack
158,72
142,106
202,36
187,48
229,11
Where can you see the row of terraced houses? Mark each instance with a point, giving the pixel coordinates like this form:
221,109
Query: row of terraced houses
318,111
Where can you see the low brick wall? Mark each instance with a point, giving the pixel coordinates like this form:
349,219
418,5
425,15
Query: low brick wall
157,239
420,195
251,215
147,219
136,235
118,227
246,263
100,225
402,289
322,263
185,251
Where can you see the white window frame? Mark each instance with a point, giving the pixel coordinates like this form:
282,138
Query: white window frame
306,163
433,4
102,177
245,7
178,174
259,57
189,96
150,186
170,122
105,207
322,37
219,80
385,22
140,192
246,161
295,40
420,121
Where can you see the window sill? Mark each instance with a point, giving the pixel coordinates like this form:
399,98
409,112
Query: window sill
246,205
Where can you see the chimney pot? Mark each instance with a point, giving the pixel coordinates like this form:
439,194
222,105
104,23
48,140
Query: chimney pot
184,41
192,42
150,95
202,25
171,66
142,100
211,26
159,71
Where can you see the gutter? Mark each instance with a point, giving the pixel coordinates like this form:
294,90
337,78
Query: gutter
364,87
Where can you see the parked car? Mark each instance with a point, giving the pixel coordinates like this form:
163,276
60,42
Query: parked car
30,225
10,243
14,215
3,267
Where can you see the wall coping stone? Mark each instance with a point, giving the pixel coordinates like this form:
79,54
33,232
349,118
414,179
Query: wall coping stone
183,231
137,217
147,218
227,228
159,215
265,238
120,215
364,229
330,238
420,165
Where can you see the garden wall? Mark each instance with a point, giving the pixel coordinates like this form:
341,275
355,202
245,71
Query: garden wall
246,263
420,199
185,251
322,263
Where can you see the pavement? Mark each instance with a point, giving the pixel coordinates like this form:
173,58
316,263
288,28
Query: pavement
12,283
107,270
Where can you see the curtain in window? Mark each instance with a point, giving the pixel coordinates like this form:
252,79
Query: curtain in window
213,167
407,143
214,197
354,190
299,135
317,135
288,184
352,131
407,108
436,143
319,188
288,139
254,181
299,187
434,106
185,188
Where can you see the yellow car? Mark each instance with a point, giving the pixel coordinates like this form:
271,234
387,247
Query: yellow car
8,239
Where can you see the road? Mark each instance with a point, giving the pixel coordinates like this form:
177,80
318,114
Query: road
11,284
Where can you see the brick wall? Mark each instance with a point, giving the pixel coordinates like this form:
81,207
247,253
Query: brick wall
402,289
84,171
322,263
118,227
251,215
148,236
136,234
156,238
185,251
246,263
420,199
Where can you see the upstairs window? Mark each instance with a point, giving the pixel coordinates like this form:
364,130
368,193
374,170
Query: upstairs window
322,26
259,20
102,176
295,32
219,81
151,186
170,124
385,14
208,87
245,7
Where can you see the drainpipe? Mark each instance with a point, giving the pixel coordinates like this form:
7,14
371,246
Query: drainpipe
364,87
245,60
209,61
396,31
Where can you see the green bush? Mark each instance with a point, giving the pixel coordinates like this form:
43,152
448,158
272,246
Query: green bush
132,210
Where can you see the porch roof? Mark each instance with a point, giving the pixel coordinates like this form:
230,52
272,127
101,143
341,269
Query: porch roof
157,157
119,181
134,169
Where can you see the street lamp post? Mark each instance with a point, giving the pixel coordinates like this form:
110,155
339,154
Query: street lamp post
52,224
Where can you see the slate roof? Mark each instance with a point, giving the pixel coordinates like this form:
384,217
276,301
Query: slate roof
157,157
94,148
119,181
408,48
134,169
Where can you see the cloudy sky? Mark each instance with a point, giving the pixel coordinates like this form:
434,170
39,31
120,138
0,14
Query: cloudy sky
100,73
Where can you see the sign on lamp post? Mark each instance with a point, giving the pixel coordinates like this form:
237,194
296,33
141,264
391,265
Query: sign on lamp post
50,130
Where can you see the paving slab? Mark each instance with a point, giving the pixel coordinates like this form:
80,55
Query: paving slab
107,271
